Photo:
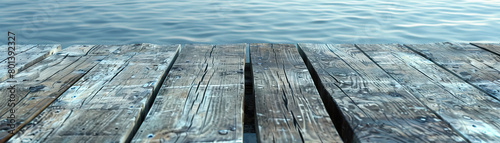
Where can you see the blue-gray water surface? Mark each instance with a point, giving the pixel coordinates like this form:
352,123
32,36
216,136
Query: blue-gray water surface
249,21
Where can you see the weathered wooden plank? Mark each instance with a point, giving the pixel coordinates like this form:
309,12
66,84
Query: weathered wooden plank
26,56
83,128
474,65
43,70
40,85
103,50
202,98
468,110
119,49
76,50
492,47
109,102
375,107
288,105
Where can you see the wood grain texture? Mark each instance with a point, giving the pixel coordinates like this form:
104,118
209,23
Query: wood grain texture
201,99
468,110
474,65
119,49
104,50
288,105
375,107
492,47
108,103
26,56
76,50
40,85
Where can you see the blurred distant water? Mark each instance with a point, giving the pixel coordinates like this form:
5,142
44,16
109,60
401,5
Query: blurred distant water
249,21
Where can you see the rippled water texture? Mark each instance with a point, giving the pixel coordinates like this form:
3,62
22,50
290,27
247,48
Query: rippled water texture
247,21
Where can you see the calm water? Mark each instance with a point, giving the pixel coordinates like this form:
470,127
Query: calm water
245,21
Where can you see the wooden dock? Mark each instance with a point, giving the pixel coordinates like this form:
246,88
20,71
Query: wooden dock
438,92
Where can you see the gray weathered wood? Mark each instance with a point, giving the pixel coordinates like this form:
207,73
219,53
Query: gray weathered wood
201,100
288,105
109,102
492,47
468,110
118,49
26,56
103,50
76,50
40,85
474,65
376,108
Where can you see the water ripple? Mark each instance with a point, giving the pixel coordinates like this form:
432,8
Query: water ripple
281,21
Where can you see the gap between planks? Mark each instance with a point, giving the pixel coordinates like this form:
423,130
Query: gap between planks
341,124
97,105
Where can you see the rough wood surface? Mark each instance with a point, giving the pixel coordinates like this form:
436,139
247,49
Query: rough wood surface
492,47
468,110
76,50
441,92
474,65
202,98
40,85
288,105
26,56
117,49
109,102
375,107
